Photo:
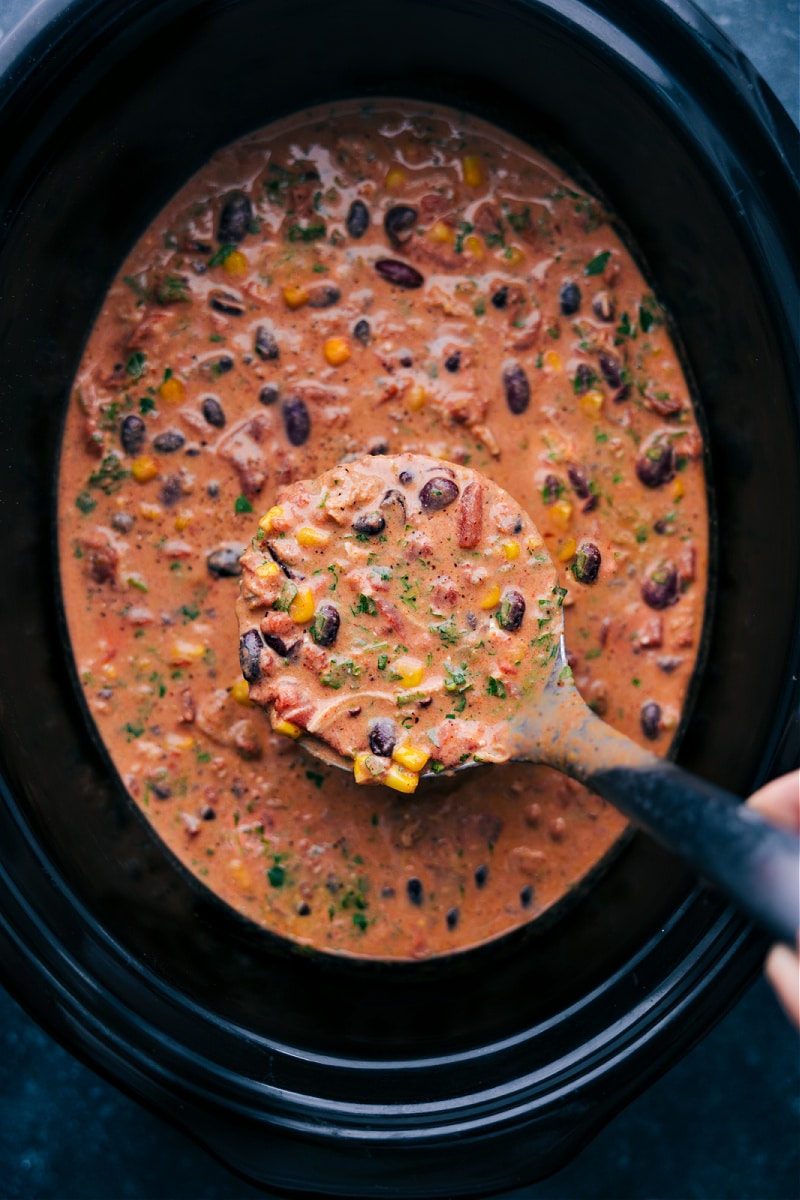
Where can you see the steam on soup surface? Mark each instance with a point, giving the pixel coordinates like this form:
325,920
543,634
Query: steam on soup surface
366,280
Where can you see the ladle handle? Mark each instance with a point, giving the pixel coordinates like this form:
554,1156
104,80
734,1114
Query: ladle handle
756,864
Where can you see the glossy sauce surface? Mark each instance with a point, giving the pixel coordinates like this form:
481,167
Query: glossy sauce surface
368,280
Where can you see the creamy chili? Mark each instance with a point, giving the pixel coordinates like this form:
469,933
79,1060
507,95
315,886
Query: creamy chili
373,279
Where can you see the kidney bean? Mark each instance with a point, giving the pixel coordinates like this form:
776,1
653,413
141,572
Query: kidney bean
587,563
226,302
511,611
399,273
661,590
370,523
399,223
224,563
357,219
569,298
382,736
323,296
213,412
132,434
277,644
580,484
612,371
517,388
603,307
438,493
500,297
656,465
268,394
168,442
250,646
266,346
235,219
650,718
296,420
550,489
324,628
362,331
470,516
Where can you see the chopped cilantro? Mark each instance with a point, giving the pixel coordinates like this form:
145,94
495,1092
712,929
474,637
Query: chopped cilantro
496,687
598,264
364,604
85,502
135,366
242,505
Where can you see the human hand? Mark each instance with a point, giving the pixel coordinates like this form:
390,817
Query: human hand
779,802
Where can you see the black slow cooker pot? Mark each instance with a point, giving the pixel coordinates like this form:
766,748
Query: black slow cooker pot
341,1077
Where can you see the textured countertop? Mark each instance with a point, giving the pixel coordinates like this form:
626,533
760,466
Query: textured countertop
722,1125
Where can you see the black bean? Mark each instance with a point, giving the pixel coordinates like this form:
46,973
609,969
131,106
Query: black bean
221,365
122,522
650,718
399,274
526,896
569,298
296,420
224,563
438,493
603,307
250,647
357,219
656,465
288,571
226,302
235,219
481,875
132,434
451,918
323,296
500,297
395,501
414,889
324,628
612,371
584,378
405,477
277,644
268,394
517,388
168,442
587,563
453,362
511,611
213,489
362,331
382,736
622,394
161,791
265,345
399,223
387,893
378,447
303,909
661,589
213,412
580,484
551,489
406,361
171,491
207,813
370,523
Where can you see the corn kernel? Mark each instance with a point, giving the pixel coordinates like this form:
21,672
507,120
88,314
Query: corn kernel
295,297
511,550
269,517
144,468
240,873
567,551
150,512
172,390
535,542
400,779
560,513
310,537
178,741
337,351
301,610
288,728
186,652
413,757
410,670
182,520
474,246
367,768
235,263
491,598
592,402
267,570
440,232
513,256
241,693
395,178
109,671
678,490
416,397
473,171
552,360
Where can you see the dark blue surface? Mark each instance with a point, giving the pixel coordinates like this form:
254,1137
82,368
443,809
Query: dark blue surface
722,1124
